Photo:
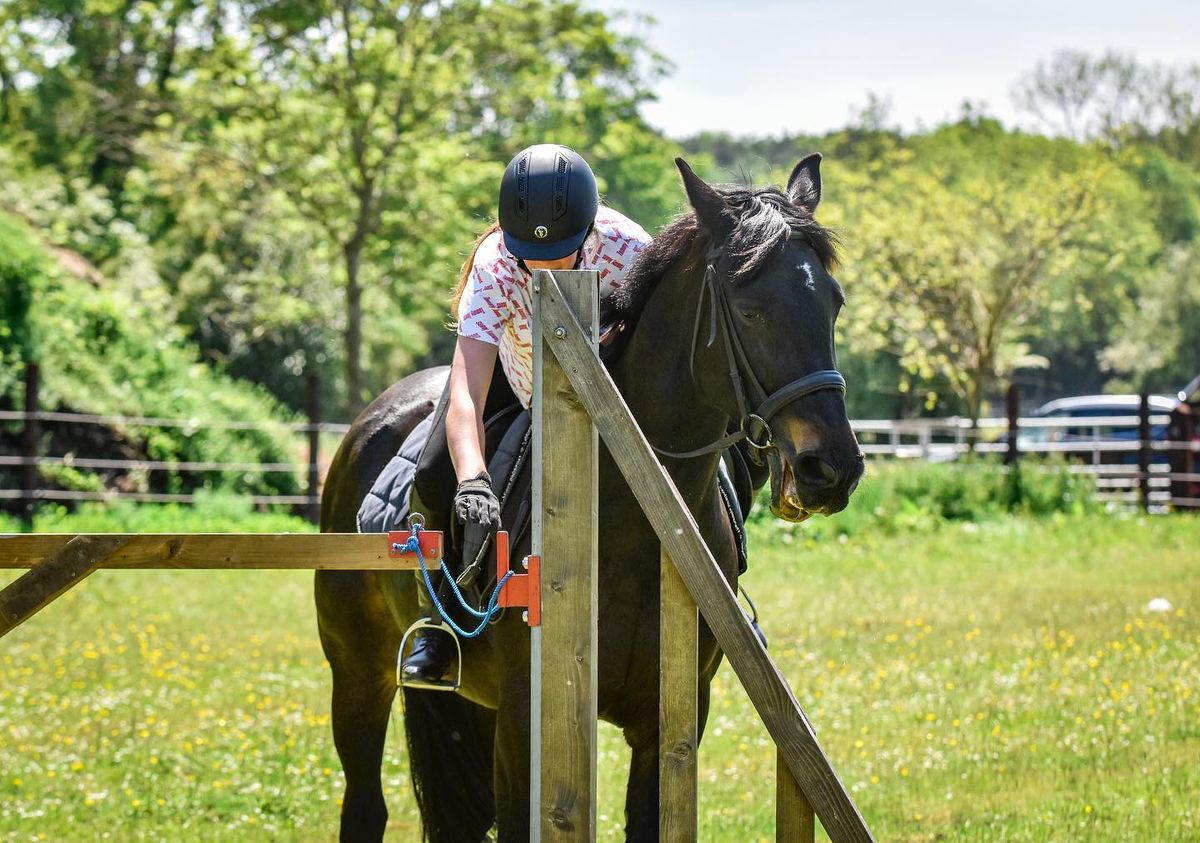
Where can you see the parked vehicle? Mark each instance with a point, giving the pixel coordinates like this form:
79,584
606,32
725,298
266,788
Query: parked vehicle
1096,408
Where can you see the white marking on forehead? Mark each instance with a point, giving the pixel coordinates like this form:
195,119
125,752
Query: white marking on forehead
808,272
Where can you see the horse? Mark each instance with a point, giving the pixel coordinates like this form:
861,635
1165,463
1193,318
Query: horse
756,358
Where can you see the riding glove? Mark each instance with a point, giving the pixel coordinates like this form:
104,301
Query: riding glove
476,503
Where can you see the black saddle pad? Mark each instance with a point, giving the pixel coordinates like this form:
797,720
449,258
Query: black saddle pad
386,505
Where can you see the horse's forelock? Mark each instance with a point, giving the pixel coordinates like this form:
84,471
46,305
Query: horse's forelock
766,218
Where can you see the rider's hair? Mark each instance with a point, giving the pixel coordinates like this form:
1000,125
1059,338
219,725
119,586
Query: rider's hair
464,274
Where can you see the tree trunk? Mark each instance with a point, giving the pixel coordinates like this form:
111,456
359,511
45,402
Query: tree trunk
354,397
974,403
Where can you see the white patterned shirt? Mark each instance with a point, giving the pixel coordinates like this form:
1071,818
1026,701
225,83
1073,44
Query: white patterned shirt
497,307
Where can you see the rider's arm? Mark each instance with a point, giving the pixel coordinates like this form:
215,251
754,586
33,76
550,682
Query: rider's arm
470,377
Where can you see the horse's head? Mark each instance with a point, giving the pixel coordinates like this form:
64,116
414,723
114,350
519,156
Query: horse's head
763,342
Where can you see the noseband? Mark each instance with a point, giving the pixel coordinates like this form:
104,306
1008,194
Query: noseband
755,424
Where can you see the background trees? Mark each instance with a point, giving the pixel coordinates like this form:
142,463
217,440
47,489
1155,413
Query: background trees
292,186
309,176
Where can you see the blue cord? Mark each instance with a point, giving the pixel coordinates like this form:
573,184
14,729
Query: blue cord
413,545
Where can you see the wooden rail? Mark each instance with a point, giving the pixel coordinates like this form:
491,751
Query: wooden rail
60,561
243,551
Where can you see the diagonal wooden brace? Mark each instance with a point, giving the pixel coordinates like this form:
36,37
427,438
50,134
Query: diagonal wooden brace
58,572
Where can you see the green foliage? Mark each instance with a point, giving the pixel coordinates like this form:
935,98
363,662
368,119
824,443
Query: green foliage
899,496
972,243
70,214
296,185
383,129
105,73
213,512
1157,347
1173,189
106,353
20,281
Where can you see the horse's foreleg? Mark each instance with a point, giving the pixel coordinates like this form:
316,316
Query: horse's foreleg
641,793
511,764
360,639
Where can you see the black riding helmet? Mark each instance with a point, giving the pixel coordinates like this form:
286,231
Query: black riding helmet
548,202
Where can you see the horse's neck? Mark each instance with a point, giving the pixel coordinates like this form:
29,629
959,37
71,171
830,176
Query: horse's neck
655,377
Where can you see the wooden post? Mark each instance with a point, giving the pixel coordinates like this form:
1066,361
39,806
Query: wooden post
1012,408
1144,452
565,535
794,819
1181,432
313,401
677,741
31,435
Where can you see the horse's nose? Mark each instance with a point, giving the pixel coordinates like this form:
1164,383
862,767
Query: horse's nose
814,473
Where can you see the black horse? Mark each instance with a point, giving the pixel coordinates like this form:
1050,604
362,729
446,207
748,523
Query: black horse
730,305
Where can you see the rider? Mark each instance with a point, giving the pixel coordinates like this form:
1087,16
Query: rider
550,217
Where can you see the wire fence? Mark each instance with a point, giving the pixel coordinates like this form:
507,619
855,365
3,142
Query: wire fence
1144,459
35,468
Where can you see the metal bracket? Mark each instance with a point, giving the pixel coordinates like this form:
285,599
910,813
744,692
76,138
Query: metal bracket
431,546
521,590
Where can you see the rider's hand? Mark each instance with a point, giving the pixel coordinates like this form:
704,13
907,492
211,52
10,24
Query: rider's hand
476,503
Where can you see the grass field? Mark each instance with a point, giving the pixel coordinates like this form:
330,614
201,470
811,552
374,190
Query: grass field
993,682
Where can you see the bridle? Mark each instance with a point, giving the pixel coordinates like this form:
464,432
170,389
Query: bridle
754,426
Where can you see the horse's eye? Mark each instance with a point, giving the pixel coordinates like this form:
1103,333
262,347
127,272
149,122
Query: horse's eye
751,315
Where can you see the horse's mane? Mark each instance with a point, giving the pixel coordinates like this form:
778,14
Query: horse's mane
764,220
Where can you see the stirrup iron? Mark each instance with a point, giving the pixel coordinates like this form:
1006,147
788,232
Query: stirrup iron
429,684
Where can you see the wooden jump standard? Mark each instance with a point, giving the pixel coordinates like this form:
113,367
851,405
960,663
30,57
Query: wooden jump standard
573,392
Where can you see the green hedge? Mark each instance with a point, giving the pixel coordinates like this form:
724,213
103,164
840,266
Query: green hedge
899,495
212,513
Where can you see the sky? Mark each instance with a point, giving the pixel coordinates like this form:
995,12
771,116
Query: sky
766,67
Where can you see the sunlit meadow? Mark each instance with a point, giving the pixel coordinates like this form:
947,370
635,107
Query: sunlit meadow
994,682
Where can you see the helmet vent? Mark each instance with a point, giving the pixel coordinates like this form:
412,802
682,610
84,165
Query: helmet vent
523,187
562,177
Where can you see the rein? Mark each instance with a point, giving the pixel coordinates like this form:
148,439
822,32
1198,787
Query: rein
754,425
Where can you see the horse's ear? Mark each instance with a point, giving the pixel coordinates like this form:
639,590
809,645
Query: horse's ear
709,204
804,185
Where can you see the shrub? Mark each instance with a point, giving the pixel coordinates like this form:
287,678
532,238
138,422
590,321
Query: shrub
213,512
103,351
896,495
